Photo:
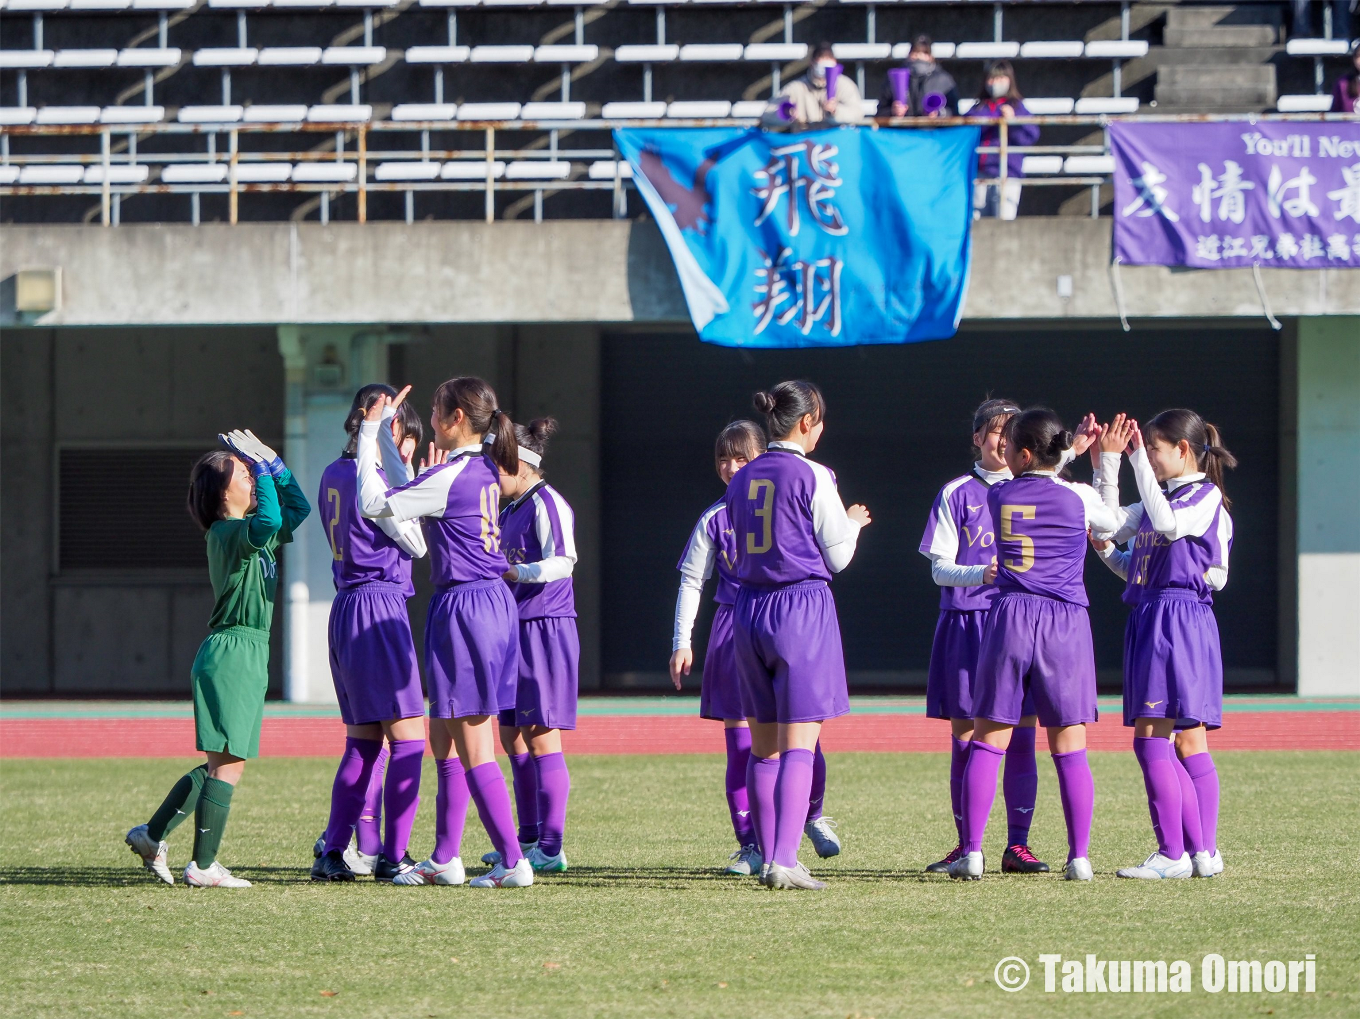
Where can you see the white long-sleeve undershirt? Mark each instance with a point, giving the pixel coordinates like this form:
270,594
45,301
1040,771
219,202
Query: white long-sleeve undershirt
836,534
557,564
371,490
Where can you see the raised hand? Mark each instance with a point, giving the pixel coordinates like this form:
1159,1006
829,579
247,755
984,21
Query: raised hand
1115,436
237,442
1087,432
859,514
437,457
1135,436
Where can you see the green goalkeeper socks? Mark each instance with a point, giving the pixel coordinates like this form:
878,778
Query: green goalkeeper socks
178,805
210,820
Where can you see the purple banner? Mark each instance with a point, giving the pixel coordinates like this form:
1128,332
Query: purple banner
1223,196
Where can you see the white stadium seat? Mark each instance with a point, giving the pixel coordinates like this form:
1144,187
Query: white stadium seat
132,115
488,111
1088,164
749,109
502,54
119,173
1033,50
1118,49
604,169
263,173
701,110
1050,106
566,54
289,56
658,54
51,174
633,111
307,4
168,57
553,111
100,5
194,173
712,52
987,51
84,58
471,170
537,169
354,56
966,104
209,114
1041,164
424,111
1107,104
1317,47
437,54
1304,104
226,56
449,3
328,172
237,4
68,115
9,174
36,6
407,171
340,113
162,5
290,114
777,51
862,50
11,116
24,59
939,50
374,4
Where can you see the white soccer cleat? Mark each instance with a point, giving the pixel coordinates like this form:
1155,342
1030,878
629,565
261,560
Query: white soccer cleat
494,857
360,863
1158,867
545,864
764,874
1204,865
216,876
745,861
519,876
153,854
428,872
1078,869
778,877
824,838
968,867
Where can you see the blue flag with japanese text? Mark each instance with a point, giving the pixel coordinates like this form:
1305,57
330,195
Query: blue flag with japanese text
832,237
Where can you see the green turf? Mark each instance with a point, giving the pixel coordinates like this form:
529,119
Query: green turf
644,924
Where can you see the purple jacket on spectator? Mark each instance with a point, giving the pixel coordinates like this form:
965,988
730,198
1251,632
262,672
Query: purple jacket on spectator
1342,100
989,164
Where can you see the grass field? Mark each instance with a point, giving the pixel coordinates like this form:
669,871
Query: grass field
645,924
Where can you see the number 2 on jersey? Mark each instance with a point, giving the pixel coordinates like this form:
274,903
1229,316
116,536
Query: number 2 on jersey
333,499
1026,560
764,512
490,500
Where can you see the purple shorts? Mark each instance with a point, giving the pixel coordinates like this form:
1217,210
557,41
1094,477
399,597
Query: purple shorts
549,660
1173,667
1039,646
472,649
788,651
373,657
720,694
953,664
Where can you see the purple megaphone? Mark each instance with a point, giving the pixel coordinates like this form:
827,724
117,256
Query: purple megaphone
933,103
785,109
833,77
900,80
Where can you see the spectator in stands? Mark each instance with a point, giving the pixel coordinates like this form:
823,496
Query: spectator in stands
1347,91
1302,18
927,78
1000,98
803,102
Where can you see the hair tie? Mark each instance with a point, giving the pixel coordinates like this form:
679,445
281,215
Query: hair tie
1206,447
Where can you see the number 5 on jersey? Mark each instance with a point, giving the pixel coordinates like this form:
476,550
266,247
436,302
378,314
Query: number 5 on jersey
761,492
1008,514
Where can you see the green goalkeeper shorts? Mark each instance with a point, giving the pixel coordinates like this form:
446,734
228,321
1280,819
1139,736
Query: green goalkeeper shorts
231,675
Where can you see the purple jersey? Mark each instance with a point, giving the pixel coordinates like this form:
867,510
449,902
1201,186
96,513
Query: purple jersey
788,521
460,504
361,551
713,543
537,533
960,528
1157,562
1041,523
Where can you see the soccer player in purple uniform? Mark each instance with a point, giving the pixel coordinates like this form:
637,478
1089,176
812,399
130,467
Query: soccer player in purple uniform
472,629
1180,536
792,533
1037,639
538,538
372,654
960,542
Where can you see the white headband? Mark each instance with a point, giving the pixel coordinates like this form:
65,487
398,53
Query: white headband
530,457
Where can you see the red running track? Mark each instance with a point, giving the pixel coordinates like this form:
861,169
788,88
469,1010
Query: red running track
644,734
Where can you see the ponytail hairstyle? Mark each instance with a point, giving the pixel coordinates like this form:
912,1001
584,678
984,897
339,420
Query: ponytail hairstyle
1172,426
533,438
990,414
363,399
1040,431
785,404
742,438
208,481
476,399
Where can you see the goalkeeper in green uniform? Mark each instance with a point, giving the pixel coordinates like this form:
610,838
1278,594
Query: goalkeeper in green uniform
249,504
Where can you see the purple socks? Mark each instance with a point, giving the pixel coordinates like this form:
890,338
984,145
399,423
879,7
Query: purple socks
1202,772
450,810
738,804
487,785
1078,792
1190,824
401,795
368,833
958,758
347,793
979,790
554,786
1020,786
525,780
818,793
1163,785
793,785
761,775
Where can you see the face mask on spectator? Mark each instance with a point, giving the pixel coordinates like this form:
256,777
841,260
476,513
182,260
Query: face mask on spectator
921,66
999,88
819,70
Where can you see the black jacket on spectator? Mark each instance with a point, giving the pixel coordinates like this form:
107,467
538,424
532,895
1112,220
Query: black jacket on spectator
938,80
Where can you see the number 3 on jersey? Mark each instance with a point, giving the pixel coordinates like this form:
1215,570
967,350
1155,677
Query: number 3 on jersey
761,492
1026,560
490,500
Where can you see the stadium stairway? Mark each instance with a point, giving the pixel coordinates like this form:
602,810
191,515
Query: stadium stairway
1219,59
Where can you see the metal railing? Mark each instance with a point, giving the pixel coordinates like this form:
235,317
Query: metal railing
354,156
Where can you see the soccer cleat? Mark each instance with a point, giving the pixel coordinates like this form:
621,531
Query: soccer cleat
764,873
822,832
745,861
1157,867
1019,860
330,866
545,864
215,876
318,847
386,870
1078,869
1215,864
153,854
519,876
778,877
360,864
494,857
968,867
942,866
427,872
